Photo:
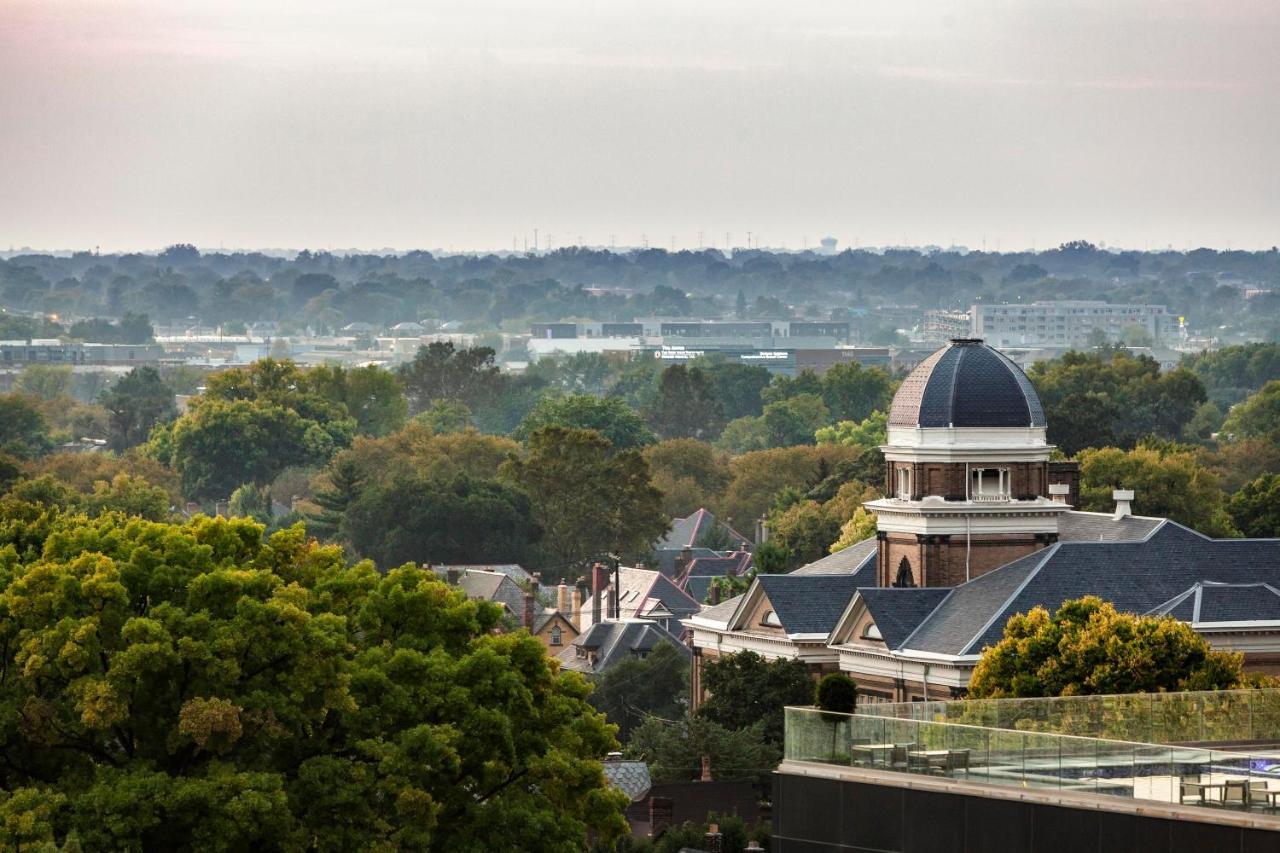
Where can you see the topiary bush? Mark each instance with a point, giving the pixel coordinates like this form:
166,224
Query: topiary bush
836,692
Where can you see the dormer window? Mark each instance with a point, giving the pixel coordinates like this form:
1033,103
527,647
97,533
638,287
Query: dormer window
770,619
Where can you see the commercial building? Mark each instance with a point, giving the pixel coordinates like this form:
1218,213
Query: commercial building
1067,323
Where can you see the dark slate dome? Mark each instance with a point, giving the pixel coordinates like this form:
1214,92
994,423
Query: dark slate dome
966,384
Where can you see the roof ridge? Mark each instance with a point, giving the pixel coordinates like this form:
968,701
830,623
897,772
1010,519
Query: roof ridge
1048,552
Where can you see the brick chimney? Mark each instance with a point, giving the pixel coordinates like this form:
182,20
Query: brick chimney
451,575
526,618
715,594
714,839
660,815
563,602
579,602
537,581
683,561
599,581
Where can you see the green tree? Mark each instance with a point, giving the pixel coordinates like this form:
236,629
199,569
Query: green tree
770,558
45,381
744,435
759,476
836,692
806,529
868,434
588,500
425,519
136,403
853,392
686,406
795,420
1088,647
446,416
654,685
132,496
440,372
689,473
24,432
1255,509
1257,417
369,394
860,527
609,416
745,689
1167,482
674,749
737,387
194,687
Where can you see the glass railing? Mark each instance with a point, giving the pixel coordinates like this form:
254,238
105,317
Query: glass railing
1220,716
1164,773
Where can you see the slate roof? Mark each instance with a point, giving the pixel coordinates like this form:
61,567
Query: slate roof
515,571
701,571
845,561
1207,603
629,777
616,641
1077,526
898,612
966,384
642,592
666,558
1230,576
686,532
808,604
721,612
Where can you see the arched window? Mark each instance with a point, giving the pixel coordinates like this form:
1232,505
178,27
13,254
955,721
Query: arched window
555,636
872,632
904,578
771,619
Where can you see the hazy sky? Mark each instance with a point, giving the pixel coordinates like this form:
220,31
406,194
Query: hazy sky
132,124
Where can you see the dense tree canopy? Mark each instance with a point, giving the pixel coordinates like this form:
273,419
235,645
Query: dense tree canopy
1088,647
632,689
1257,417
609,416
745,690
24,432
194,687
1255,509
137,402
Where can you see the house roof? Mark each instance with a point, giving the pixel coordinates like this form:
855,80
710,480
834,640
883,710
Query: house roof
721,613
697,578
514,570
1173,570
807,604
688,532
1075,526
629,777
646,592
898,612
666,558
616,641
966,384
845,561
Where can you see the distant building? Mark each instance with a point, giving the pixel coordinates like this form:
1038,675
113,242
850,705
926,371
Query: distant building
1067,323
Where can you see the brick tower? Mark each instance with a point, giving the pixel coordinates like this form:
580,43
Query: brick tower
966,470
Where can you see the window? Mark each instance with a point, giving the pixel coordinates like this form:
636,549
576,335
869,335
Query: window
872,632
771,619
904,484
989,484
555,636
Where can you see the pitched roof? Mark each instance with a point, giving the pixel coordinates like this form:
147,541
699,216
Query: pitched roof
722,612
1161,571
515,571
845,561
898,612
616,641
644,592
666,558
687,532
808,604
629,777
1075,526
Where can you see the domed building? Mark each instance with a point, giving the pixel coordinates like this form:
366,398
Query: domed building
967,473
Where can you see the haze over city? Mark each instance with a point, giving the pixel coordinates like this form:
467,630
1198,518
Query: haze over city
134,124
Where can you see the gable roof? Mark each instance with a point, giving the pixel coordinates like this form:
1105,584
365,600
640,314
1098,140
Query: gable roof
687,532
898,612
807,604
645,592
629,777
1162,573
616,641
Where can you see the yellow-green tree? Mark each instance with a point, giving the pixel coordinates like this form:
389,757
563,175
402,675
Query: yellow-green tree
1088,647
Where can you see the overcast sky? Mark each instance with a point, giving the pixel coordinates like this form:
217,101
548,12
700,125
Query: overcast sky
132,124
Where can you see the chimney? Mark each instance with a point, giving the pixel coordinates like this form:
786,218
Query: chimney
1059,492
580,603
715,594
537,581
527,618
660,815
706,768
762,530
451,575
682,561
1122,497
599,580
563,603
714,840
